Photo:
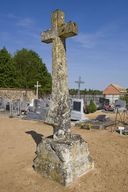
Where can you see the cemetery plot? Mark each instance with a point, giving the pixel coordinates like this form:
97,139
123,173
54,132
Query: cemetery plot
100,122
37,110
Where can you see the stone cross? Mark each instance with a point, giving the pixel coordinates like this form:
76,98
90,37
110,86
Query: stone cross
79,82
37,86
59,112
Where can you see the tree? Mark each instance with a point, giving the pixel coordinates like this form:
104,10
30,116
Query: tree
91,107
73,91
30,69
85,92
7,69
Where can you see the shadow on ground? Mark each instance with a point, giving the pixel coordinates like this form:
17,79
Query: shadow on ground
36,136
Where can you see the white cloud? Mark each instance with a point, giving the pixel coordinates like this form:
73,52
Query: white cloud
26,22
110,34
12,16
89,40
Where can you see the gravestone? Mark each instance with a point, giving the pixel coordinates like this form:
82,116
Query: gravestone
2,105
120,105
64,156
77,110
37,110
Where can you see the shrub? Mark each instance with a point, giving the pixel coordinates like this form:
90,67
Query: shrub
91,107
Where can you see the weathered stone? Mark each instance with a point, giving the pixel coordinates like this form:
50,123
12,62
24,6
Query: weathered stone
64,157
15,94
63,160
59,112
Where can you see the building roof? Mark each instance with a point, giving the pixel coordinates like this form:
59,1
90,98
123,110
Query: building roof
114,89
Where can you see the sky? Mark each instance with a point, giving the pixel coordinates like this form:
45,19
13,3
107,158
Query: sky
99,53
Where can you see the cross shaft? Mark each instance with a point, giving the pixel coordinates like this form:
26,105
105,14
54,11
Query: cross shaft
79,82
59,111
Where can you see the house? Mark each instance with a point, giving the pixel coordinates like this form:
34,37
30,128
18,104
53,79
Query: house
113,92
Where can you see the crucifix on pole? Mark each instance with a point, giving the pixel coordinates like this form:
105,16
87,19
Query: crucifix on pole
79,82
37,86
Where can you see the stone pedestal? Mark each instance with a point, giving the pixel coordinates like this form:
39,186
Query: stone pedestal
63,160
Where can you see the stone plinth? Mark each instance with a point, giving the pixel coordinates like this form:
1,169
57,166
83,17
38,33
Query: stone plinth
63,160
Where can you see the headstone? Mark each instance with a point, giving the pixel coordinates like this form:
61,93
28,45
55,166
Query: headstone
64,156
77,109
2,105
120,105
37,110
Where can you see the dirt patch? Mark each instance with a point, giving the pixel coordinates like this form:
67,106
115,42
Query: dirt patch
18,140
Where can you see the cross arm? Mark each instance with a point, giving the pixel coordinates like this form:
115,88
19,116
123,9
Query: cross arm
79,81
47,36
68,30
37,85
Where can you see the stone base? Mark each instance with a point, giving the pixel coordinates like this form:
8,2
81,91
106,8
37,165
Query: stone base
63,160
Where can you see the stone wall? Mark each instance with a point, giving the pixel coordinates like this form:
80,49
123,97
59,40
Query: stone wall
88,98
14,94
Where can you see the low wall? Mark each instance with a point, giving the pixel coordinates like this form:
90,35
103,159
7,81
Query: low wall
14,94
88,98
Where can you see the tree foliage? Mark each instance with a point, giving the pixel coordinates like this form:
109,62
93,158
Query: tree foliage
73,91
91,107
23,70
85,92
7,69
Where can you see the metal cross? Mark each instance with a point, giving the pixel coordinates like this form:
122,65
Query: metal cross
37,86
79,82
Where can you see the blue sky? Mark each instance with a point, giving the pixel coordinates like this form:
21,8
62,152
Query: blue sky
99,53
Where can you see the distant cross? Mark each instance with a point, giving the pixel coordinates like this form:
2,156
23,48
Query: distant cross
59,111
37,86
79,82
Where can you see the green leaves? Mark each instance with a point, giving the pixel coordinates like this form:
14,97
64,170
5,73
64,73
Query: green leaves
7,69
91,107
85,91
23,70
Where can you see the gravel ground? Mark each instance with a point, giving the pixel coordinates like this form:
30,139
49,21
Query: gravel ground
18,140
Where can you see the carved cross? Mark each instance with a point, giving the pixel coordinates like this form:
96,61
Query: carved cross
59,112
59,28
